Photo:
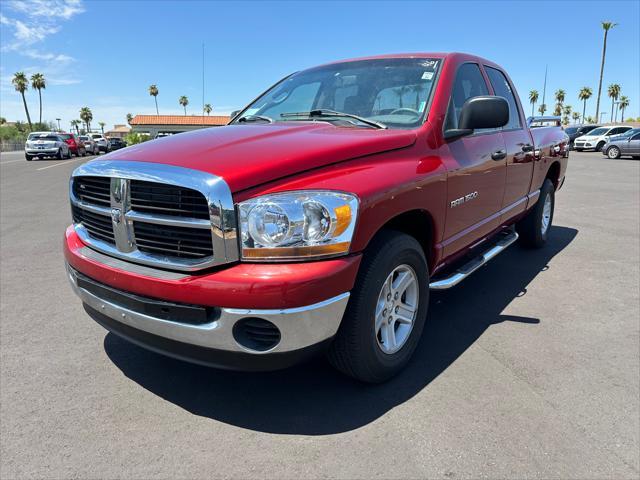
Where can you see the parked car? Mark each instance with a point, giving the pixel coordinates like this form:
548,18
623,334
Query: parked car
596,139
578,131
319,219
103,143
76,145
626,144
116,143
90,144
45,145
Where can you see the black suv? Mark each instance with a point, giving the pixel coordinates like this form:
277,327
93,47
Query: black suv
578,131
116,143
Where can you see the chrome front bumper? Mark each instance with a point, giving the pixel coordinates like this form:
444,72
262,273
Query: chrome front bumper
299,327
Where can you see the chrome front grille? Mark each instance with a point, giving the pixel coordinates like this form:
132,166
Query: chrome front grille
154,214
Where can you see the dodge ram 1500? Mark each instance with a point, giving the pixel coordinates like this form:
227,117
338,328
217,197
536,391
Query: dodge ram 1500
319,219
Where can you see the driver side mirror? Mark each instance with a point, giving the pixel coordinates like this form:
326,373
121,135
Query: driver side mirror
480,112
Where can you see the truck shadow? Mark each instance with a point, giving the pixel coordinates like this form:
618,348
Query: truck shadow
313,399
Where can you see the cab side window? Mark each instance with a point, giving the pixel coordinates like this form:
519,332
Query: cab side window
502,89
469,83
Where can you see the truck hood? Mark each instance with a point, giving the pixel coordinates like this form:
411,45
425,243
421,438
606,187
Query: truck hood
249,155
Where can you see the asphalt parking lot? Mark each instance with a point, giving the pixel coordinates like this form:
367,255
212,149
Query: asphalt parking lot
529,369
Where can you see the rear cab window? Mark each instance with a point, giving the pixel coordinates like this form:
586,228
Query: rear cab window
502,88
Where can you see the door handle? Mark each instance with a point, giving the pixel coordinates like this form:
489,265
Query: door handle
499,155
527,147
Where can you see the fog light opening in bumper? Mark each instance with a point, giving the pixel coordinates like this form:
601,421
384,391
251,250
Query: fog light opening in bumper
256,334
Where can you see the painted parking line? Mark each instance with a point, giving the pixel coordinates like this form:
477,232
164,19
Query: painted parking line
12,161
59,164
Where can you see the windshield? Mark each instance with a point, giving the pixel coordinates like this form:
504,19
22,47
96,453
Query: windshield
571,130
83,138
598,131
628,133
392,91
65,136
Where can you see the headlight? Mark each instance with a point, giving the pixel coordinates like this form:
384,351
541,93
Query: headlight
297,225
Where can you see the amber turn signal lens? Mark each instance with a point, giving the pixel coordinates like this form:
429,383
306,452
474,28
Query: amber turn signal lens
296,252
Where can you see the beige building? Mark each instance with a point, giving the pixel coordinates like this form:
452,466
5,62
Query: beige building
154,125
118,131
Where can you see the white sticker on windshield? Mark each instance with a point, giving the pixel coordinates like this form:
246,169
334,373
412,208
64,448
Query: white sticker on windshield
427,75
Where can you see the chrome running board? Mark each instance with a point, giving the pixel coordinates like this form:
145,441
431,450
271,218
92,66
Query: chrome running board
467,269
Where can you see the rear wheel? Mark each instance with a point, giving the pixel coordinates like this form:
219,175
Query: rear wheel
69,155
613,152
386,312
534,227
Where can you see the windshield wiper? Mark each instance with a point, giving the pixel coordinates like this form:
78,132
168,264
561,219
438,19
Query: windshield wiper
332,113
255,118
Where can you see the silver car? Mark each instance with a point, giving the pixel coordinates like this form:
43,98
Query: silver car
46,144
627,144
90,144
103,143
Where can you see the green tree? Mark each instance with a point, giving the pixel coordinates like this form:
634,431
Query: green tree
39,83
575,116
21,84
560,94
207,108
613,92
606,26
86,116
624,103
153,91
129,118
102,124
533,98
3,120
557,111
584,95
184,101
542,108
75,124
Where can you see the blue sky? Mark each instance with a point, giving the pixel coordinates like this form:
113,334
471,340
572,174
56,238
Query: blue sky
104,54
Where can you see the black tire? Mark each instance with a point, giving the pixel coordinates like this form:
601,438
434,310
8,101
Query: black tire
59,154
530,230
28,157
578,149
599,147
355,350
613,152
636,157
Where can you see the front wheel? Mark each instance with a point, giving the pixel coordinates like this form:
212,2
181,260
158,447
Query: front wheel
28,157
59,154
534,227
69,154
386,311
599,147
613,152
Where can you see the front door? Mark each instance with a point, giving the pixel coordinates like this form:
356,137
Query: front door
476,167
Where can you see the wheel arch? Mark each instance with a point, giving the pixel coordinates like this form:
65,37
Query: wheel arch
417,223
553,174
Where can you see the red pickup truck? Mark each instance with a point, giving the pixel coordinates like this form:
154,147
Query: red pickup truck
319,219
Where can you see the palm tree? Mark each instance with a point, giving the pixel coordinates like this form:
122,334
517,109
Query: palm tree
207,108
560,94
86,116
102,124
576,117
614,92
624,103
557,111
542,108
21,85
418,88
606,26
533,98
153,91
39,83
184,101
129,118
75,123
584,95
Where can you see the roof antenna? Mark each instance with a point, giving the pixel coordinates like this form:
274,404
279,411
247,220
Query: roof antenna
544,88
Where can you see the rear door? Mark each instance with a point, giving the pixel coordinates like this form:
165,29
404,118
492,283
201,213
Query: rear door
476,169
519,147
633,145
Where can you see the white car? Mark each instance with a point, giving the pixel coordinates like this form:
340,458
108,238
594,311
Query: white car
596,139
103,143
46,144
